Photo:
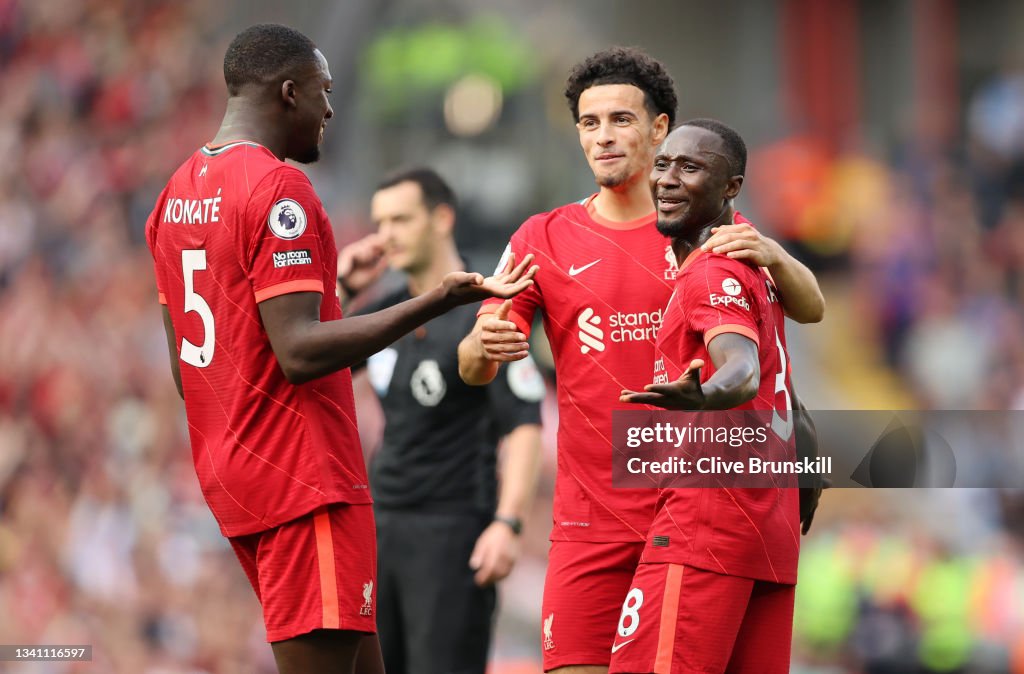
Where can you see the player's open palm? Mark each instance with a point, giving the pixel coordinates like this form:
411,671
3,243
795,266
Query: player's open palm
465,287
742,241
494,554
361,263
682,394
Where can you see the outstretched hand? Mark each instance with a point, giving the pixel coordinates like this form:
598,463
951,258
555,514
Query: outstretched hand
683,394
742,241
464,288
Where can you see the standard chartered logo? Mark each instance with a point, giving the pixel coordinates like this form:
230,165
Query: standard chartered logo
623,327
591,335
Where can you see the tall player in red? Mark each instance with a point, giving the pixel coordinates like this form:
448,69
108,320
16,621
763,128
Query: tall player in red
245,265
714,590
606,275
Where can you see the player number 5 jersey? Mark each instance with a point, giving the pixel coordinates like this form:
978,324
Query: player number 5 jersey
234,227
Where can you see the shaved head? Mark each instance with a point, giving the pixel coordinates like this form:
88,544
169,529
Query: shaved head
266,54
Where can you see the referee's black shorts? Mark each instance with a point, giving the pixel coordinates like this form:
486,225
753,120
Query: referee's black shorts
431,617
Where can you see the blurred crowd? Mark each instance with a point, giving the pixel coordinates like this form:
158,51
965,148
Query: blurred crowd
891,600
924,241
104,536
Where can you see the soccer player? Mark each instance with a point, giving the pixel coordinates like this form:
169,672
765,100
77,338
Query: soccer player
444,535
245,267
715,586
606,277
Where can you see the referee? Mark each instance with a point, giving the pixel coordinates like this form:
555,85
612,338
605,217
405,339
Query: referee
445,531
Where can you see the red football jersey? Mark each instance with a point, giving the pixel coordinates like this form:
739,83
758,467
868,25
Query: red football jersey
601,289
236,226
749,532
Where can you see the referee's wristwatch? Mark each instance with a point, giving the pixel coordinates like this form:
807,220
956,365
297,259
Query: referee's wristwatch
345,288
514,523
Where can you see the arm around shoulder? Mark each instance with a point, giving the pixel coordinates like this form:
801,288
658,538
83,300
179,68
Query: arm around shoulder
801,295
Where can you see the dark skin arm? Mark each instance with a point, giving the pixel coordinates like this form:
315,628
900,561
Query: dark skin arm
736,360
735,381
307,348
806,445
172,348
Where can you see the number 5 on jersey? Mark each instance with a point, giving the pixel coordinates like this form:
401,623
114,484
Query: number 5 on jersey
198,356
782,427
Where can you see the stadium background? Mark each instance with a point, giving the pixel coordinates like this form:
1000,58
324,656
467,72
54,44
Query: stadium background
887,147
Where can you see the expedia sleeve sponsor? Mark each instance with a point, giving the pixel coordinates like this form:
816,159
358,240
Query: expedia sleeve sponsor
733,295
292,258
725,300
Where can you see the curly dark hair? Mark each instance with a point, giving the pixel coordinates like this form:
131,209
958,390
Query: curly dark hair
624,65
265,52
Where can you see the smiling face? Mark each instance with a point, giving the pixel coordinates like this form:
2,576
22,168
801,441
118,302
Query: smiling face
312,110
617,133
691,181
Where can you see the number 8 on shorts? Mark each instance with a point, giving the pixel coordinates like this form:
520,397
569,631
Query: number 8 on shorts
630,619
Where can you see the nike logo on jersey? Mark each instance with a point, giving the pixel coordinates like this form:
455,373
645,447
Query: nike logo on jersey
573,271
616,647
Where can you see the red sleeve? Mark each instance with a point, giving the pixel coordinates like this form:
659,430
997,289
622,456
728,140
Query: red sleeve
525,304
719,294
285,226
740,219
151,243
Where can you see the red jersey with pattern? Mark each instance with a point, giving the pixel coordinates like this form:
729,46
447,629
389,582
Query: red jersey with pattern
601,289
234,227
748,532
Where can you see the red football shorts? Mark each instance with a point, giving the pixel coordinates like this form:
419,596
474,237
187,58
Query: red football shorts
583,593
315,572
681,620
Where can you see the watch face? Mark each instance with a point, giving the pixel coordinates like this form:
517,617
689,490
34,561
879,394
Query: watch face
514,523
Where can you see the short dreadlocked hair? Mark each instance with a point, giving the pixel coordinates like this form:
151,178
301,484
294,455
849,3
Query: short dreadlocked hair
624,65
265,52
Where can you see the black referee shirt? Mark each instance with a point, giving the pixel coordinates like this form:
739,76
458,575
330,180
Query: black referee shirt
441,435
